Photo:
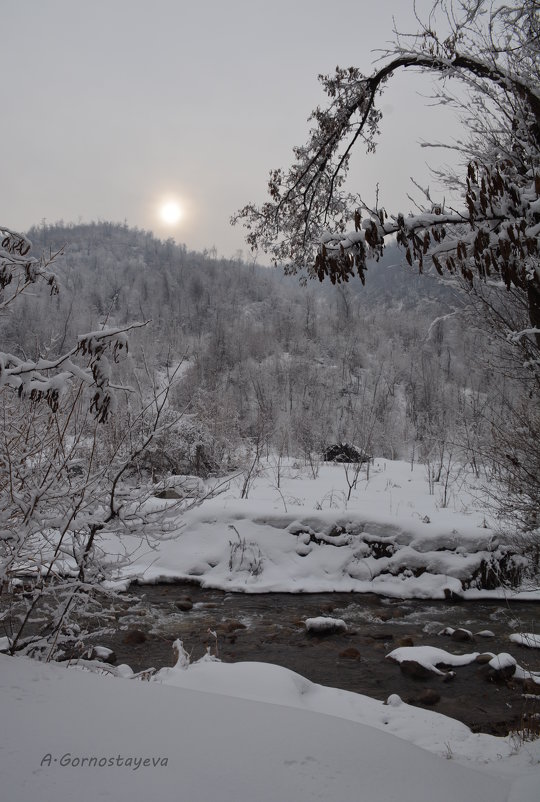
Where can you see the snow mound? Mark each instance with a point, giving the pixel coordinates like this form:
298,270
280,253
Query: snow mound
502,661
526,639
430,657
322,624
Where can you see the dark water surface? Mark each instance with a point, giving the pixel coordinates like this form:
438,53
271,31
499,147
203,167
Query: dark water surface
270,628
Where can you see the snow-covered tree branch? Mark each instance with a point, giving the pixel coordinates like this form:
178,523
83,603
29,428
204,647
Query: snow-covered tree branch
71,442
48,379
313,222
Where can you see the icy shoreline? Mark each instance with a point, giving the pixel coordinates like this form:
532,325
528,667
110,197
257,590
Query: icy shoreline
503,594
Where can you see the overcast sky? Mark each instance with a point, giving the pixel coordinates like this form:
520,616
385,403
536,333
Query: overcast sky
112,107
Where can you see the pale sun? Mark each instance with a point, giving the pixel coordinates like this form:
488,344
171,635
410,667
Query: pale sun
171,213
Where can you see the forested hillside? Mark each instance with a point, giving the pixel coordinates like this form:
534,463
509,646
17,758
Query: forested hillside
270,364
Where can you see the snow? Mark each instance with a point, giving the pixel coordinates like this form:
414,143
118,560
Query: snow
391,537
502,661
251,731
430,657
325,624
102,652
467,632
244,731
526,639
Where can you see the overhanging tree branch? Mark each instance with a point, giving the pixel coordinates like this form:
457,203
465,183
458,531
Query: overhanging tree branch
495,236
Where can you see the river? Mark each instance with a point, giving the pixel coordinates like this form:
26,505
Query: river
270,628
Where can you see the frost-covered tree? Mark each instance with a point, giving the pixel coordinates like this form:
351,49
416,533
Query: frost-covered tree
88,361
485,57
70,438
313,221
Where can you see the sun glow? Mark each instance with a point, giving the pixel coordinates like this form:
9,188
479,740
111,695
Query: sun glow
170,212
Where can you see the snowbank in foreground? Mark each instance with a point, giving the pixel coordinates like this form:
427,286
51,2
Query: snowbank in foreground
237,732
391,537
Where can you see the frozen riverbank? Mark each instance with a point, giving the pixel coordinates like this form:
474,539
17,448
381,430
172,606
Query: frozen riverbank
397,535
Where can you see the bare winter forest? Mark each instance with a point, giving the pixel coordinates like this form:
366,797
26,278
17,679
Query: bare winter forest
267,364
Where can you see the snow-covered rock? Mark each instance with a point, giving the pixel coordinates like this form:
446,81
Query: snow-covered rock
502,666
526,639
430,657
323,625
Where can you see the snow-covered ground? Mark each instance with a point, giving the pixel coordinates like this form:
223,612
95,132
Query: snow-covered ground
391,537
255,732
247,732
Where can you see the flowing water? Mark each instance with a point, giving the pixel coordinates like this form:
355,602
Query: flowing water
270,628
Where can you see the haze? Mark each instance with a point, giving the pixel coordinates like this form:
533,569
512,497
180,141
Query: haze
113,109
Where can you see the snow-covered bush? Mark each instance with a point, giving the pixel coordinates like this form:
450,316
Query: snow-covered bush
187,447
70,437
